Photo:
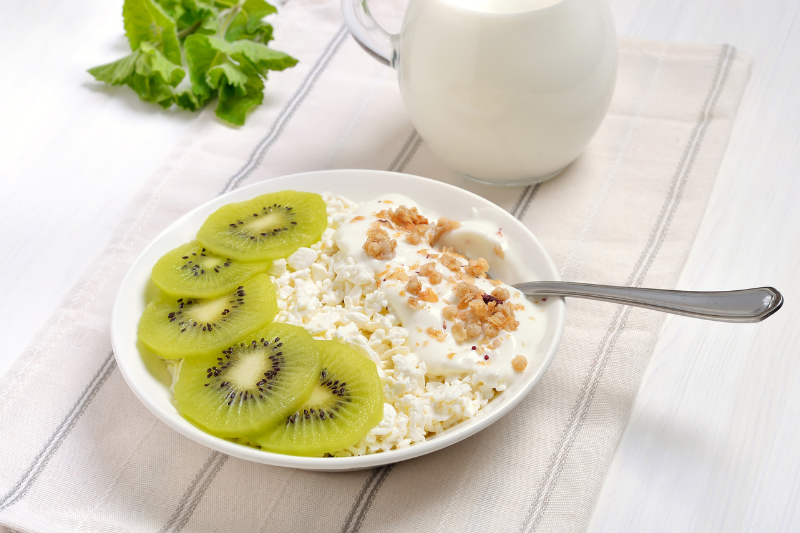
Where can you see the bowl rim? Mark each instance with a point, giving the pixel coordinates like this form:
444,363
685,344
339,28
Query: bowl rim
454,434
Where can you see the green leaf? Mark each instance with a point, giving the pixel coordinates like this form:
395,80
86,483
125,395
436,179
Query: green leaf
234,102
147,71
240,29
202,56
187,99
260,56
233,70
146,21
173,8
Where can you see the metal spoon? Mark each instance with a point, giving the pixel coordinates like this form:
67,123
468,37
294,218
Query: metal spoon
748,305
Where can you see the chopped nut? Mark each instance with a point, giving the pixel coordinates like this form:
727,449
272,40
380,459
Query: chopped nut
519,363
473,328
450,313
436,334
429,271
450,262
378,244
398,274
491,330
443,225
459,331
499,251
480,309
428,296
451,355
466,292
407,218
478,267
356,219
414,303
413,286
501,294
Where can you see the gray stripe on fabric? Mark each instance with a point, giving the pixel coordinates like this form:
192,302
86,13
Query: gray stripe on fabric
519,201
411,153
368,484
396,161
580,410
194,493
63,429
534,190
286,113
365,497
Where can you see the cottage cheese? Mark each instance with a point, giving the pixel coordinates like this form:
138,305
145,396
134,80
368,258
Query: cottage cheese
333,295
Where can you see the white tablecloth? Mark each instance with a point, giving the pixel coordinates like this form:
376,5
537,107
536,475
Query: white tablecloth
711,441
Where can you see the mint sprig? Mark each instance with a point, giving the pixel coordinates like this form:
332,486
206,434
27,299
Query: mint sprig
222,44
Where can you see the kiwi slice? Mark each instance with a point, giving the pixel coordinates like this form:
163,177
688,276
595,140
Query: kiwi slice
346,403
191,270
267,227
176,327
244,389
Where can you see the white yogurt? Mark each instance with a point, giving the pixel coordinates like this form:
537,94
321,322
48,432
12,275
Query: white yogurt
446,358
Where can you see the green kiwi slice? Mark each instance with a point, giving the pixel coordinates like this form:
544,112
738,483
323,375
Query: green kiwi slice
243,389
176,327
345,405
191,270
269,226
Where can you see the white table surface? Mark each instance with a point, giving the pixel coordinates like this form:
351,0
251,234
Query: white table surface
713,443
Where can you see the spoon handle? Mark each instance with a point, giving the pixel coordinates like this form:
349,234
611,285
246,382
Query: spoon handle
748,305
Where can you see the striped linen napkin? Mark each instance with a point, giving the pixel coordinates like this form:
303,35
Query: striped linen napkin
90,457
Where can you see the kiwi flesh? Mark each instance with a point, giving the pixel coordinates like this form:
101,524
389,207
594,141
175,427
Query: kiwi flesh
249,386
345,405
176,327
266,227
191,270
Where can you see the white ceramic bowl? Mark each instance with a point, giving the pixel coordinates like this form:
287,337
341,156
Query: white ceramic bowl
147,376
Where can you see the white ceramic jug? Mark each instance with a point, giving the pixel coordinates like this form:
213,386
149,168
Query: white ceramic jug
506,92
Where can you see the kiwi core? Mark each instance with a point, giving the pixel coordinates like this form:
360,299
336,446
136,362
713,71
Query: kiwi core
270,221
209,311
249,369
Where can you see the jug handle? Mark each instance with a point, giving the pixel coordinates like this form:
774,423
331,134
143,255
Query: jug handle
378,43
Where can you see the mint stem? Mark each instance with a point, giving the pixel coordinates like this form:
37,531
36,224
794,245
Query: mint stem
190,30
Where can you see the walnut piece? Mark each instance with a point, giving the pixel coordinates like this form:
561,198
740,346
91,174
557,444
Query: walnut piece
450,313
480,309
407,218
501,294
413,286
378,244
443,225
429,271
478,267
459,331
473,328
450,262
466,292
417,234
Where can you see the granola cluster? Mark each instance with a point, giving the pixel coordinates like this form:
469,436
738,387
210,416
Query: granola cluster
475,313
408,220
478,313
378,244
